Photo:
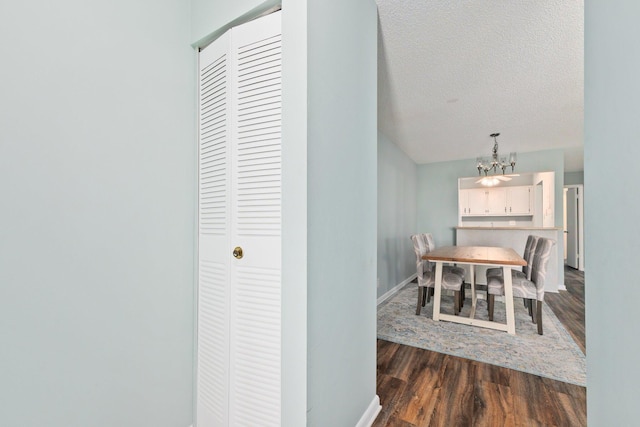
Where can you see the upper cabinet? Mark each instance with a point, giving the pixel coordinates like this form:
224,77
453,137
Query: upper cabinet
497,201
473,201
520,200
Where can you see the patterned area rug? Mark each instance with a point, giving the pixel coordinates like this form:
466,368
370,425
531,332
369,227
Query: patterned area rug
553,355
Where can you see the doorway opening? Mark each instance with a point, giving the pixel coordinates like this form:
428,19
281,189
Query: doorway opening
573,202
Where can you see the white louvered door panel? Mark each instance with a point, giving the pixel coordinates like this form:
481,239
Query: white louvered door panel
214,240
256,212
239,300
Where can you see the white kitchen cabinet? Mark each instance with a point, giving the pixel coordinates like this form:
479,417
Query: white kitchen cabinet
519,201
472,202
497,201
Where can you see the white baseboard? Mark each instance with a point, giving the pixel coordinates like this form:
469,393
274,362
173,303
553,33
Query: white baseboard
391,292
371,413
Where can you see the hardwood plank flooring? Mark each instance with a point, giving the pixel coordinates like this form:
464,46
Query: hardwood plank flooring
569,306
424,388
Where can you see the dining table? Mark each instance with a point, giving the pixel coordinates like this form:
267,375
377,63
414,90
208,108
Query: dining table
507,258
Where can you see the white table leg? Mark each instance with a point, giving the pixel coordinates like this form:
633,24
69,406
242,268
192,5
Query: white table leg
437,292
472,276
508,300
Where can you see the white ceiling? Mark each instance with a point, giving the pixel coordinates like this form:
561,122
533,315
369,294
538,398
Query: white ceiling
452,72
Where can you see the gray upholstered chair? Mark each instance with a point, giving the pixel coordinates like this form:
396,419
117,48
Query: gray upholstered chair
529,251
529,289
452,277
446,269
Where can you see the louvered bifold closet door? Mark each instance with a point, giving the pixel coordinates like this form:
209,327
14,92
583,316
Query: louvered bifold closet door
239,307
256,211
214,239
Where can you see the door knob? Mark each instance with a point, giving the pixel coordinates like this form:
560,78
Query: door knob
237,252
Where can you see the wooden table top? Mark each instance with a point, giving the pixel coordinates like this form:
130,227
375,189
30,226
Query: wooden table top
476,255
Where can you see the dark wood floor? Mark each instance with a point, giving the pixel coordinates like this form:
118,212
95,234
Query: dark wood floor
424,388
569,306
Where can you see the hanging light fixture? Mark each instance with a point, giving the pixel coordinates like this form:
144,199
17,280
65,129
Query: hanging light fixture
493,163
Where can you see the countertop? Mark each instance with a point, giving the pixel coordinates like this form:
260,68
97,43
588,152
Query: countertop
507,228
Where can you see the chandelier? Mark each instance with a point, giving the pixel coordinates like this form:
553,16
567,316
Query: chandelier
493,163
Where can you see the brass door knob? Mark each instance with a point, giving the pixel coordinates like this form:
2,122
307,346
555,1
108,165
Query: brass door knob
237,252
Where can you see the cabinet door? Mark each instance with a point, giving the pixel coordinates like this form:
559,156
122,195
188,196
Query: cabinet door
520,201
477,202
496,201
463,202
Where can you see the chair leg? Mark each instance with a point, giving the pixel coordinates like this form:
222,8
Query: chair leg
425,292
420,296
456,302
491,302
539,316
429,294
462,295
529,305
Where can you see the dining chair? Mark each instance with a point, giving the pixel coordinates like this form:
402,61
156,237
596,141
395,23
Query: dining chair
447,269
529,289
452,277
529,251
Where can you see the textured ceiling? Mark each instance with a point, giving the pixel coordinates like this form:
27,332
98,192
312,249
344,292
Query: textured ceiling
452,72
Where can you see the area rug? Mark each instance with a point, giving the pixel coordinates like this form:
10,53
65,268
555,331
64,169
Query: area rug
553,355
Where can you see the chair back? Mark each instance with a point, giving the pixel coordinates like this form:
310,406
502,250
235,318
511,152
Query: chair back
539,265
529,251
428,237
421,247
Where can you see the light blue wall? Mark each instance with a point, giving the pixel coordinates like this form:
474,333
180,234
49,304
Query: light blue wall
98,193
397,179
612,67
573,178
438,190
342,176
437,199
